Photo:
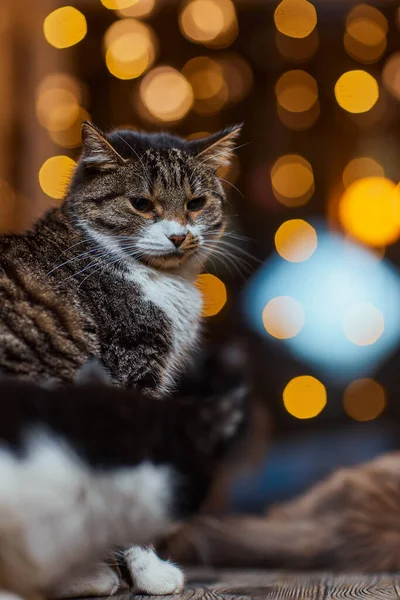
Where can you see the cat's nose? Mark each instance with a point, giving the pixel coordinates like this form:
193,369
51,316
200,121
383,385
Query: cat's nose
177,240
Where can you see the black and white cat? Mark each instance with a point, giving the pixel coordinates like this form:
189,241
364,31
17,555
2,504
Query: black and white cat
85,468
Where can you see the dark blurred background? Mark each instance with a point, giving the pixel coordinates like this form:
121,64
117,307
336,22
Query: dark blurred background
317,85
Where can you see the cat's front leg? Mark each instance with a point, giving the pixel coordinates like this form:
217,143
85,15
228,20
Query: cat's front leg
150,574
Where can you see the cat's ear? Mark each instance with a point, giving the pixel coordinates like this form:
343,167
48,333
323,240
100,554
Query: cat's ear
97,152
92,372
217,150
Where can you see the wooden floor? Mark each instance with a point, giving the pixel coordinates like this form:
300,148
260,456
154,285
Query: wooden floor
210,585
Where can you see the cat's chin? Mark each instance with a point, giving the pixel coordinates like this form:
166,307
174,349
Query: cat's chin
168,262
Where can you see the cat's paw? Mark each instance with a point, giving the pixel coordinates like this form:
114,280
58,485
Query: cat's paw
151,575
100,581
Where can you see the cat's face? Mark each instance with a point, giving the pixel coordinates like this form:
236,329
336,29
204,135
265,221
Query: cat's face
153,198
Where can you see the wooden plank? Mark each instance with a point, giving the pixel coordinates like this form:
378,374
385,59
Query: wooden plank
209,584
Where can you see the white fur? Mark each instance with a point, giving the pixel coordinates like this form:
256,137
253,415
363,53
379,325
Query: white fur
181,301
155,237
57,516
174,294
151,575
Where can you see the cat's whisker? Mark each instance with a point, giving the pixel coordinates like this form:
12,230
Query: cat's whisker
93,250
231,184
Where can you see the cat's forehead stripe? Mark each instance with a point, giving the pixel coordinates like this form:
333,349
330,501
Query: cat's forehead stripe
169,166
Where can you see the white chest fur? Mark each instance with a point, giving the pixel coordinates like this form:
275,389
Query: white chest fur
181,302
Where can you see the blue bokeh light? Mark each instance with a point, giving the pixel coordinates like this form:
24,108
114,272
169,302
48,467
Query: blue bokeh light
337,278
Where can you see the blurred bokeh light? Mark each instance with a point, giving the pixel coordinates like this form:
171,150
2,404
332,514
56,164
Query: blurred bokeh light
363,324
65,27
295,18
364,399
292,180
360,168
391,75
118,4
283,317
366,30
304,397
214,294
55,175
296,240
357,91
166,94
370,211
131,48
139,9
210,22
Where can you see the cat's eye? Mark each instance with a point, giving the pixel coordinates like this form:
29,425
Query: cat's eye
142,204
196,203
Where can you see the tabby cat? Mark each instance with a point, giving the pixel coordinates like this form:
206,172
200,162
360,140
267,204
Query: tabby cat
84,468
110,273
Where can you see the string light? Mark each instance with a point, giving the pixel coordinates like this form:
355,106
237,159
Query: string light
369,211
292,180
166,94
296,240
357,91
364,399
55,174
283,317
304,397
65,27
214,294
295,18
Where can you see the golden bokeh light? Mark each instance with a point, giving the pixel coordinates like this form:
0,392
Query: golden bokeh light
64,27
391,75
369,211
363,324
292,180
166,94
214,294
366,30
295,18
364,399
299,121
361,167
296,91
238,76
140,8
304,397
118,4
207,21
57,109
131,48
357,91
128,56
62,81
55,175
71,137
296,240
208,84
297,50
283,317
